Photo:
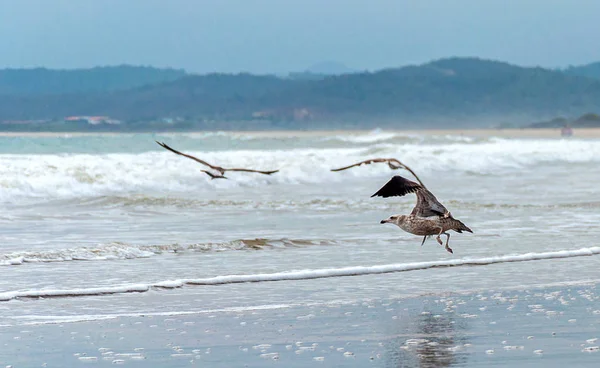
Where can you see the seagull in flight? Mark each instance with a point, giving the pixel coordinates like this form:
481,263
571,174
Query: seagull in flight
393,163
220,170
428,217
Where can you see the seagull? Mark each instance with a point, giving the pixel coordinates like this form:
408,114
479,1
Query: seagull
221,170
393,163
429,217
213,175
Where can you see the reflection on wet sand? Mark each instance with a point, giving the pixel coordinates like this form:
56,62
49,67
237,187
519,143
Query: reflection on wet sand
437,341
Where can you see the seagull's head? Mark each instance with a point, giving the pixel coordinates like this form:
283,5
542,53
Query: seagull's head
395,219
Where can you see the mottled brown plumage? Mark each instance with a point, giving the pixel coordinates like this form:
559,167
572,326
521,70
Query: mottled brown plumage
428,217
219,169
393,163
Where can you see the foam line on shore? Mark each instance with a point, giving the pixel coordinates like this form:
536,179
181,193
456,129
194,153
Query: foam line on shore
299,275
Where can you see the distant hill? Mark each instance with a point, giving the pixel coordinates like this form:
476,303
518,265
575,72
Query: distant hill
553,123
589,120
589,70
457,89
444,93
99,79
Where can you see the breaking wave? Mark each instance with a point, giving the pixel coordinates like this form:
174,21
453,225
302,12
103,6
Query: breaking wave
85,175
119,250
297,275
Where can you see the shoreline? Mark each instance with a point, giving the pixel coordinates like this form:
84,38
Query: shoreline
502,133
547,327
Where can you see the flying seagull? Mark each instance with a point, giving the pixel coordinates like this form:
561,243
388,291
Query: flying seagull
429,217
393,163
219,169
213,175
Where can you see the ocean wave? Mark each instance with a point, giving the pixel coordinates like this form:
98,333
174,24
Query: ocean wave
114,174
118,250
372,137
297,275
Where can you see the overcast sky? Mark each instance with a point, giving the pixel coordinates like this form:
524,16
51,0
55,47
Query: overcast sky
278,36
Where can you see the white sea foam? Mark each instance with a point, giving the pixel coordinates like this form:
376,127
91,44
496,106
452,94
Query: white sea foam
54,293
86,175
101,252
118,250
54,319
372,137
301,274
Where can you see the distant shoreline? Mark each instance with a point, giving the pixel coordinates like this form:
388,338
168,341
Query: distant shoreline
503,133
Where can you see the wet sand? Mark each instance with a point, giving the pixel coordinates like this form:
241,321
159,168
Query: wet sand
551,327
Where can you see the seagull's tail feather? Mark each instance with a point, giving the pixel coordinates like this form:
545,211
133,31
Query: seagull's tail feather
459,227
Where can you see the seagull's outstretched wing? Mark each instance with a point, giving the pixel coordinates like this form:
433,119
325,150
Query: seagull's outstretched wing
365,162
392,163
427,204
165,146
398,186
254,171
219,169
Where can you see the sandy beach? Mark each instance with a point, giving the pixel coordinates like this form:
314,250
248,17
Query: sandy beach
503,133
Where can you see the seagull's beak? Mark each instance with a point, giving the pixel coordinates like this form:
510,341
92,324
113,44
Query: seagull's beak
383,221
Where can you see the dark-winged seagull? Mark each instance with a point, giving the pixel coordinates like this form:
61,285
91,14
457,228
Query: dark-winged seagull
219,169
429,217
393,163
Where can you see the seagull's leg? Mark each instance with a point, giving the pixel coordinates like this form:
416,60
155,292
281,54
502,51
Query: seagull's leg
439,240
424,238
447,240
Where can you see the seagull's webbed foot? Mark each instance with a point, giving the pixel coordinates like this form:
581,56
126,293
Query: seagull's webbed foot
439,240
449,249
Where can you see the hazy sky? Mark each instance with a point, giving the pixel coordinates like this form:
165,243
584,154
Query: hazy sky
277,36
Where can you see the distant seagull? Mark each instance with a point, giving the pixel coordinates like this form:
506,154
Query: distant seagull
393,163
213,175
219,169
429,217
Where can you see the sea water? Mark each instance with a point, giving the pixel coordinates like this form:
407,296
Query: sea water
99,226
